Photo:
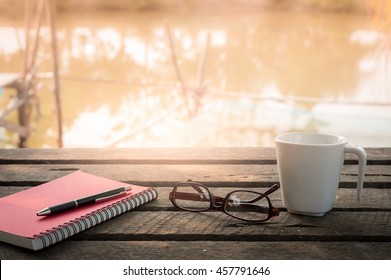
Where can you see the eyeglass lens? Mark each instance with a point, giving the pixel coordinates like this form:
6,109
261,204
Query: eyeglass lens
247,205
192,197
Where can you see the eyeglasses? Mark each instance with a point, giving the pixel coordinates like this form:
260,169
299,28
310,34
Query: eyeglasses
241,204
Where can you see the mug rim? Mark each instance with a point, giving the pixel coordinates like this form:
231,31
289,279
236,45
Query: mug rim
340,140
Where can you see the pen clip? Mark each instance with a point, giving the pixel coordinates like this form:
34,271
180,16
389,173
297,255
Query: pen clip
109,197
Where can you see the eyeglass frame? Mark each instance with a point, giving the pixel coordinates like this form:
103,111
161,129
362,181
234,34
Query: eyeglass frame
222,201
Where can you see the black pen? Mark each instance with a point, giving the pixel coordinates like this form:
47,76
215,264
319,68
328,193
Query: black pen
92,199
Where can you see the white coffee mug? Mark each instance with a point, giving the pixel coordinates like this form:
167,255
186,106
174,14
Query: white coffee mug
309,167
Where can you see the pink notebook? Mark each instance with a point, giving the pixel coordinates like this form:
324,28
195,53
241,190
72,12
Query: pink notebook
19,224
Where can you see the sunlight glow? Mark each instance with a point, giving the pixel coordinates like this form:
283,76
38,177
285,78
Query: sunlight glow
104,42
218,38
366,37
9,42
136,49
91,129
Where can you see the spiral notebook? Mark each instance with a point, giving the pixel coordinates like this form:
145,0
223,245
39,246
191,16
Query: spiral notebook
19,224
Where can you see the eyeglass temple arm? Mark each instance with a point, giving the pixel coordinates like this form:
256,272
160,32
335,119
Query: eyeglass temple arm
216,199
272,189
251,207
248,205
188,196
220,200
269,191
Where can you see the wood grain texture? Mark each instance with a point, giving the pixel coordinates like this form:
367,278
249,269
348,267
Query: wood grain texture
223,175
203,250
216,226
372,199
239,155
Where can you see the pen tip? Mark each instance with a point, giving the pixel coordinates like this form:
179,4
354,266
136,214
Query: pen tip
44,212
127,188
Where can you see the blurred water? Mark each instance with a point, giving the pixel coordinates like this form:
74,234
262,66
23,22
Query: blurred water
266,72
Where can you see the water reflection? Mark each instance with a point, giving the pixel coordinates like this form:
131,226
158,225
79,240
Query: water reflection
266,72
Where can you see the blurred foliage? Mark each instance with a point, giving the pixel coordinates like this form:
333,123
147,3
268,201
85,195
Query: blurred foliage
334,5
13,8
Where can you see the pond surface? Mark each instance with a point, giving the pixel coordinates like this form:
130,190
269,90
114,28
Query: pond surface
244,77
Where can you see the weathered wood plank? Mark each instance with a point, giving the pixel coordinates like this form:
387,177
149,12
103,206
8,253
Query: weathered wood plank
373,199
245,155
138,155
173,226
166,175
174,250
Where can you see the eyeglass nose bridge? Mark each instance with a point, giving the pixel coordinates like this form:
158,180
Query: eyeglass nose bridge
217,202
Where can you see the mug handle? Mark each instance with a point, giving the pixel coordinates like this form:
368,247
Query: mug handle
362,161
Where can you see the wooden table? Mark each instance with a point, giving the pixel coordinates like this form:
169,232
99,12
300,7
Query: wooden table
352,230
